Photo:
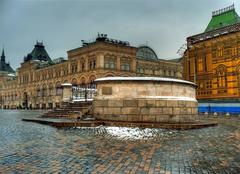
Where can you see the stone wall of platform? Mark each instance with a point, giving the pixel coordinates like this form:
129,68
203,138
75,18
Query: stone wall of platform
140,110
145,101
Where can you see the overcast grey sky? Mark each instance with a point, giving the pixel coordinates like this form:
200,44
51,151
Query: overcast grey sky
62,24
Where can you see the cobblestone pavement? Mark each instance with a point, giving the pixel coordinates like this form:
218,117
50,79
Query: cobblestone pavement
27,147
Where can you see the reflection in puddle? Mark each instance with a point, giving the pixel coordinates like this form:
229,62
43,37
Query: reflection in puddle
126,133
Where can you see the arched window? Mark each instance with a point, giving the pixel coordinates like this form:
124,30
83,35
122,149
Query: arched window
38,91
74,82
44,90
109,62
91,81
50,88
220,51
58,89
83,81
221,76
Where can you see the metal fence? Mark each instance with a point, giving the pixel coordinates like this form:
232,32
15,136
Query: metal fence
84,92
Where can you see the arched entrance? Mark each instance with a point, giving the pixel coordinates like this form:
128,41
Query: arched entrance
25,100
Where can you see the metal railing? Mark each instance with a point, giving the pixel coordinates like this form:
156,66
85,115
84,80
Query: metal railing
84,92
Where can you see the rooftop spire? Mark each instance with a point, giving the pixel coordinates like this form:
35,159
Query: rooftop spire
223,10
3,56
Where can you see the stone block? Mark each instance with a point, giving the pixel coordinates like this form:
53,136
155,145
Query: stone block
112,111
149,118
107,117
192,117
114,117
144,111
162,118
182,103
141,103
189,111
176,111
101,103
150,103
172,103
115,103
174,118
183,110
130,103
194,104
156,111
194,111
123,118
106,90
143,93
130,110
167,110
134,118
161,103
98,110
190,104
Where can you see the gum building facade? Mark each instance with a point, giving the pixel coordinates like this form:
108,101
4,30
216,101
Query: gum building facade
37,82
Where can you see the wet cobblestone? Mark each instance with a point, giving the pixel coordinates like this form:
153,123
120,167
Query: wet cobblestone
27,147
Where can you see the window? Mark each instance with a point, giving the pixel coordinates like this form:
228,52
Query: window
83,66
92,64
73,67
140,69
50,89
220,52
65,71
44,91
126,66
50,74
58,89
58,73
109,63
221,76
38,92
44,76
200,64
234,51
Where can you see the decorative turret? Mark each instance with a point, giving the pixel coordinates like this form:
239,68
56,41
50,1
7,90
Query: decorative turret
38,53
5,66
3,56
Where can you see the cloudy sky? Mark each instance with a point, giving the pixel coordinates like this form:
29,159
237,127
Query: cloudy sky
62,24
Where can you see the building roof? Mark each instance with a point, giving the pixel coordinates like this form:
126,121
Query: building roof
147,53
175,60
38,53
223,17
5,66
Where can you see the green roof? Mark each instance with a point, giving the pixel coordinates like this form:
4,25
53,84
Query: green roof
222,18
5,66
38,53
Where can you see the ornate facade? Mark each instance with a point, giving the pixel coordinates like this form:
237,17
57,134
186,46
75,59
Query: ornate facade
37,82
212,58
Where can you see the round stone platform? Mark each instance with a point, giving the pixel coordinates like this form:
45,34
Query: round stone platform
145,99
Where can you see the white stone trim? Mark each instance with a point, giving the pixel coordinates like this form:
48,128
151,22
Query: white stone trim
162,79
66,84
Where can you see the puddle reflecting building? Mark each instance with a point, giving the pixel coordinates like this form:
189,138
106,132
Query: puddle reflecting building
37,82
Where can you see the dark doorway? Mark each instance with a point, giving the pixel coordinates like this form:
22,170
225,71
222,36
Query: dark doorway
25,100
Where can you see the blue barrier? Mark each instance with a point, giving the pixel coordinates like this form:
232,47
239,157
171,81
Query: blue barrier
220,109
